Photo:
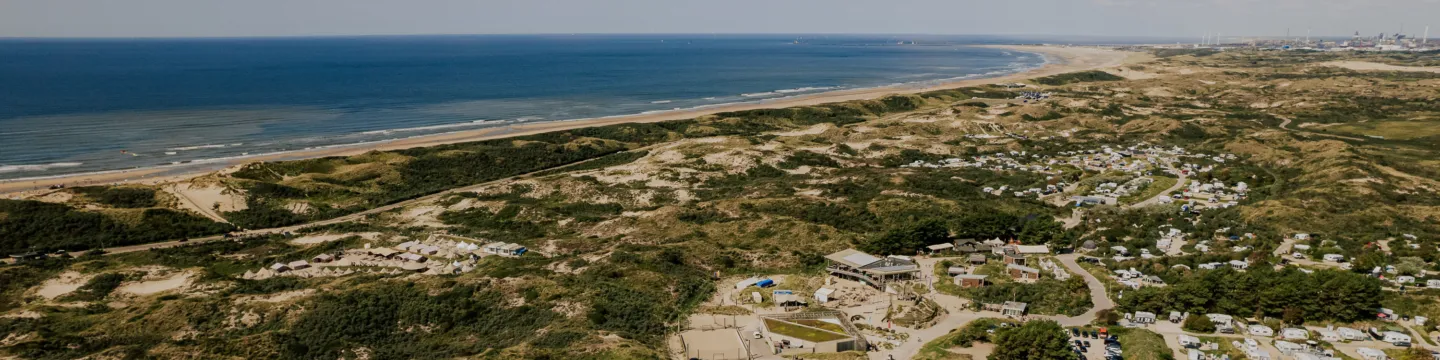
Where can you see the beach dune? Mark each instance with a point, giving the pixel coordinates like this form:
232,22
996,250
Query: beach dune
1060,60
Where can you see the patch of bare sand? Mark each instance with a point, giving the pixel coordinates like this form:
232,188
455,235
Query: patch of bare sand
977,351
1370,66
1159,92
26,314
1132,74
55,197
66,283
734,160
275,298
424,216
174,282
209,201
922,120
298,207
324,238
817,129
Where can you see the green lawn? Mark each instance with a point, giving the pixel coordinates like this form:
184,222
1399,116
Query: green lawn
823,325
1161,183
801,332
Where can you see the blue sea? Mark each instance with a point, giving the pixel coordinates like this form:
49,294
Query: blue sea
73,105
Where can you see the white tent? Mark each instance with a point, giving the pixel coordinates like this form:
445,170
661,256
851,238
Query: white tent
746,283
823,295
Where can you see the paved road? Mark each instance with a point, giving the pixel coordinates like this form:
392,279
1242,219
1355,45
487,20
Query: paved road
1285,125
351,217
1285,246
1098,296
1179,184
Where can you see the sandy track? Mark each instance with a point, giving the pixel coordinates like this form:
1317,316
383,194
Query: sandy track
1062,60
192,199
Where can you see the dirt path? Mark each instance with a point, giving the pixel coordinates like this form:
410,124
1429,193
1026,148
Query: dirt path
189,203
1285,246
1285,125
917,340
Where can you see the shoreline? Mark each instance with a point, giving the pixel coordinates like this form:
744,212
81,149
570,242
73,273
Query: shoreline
1058,60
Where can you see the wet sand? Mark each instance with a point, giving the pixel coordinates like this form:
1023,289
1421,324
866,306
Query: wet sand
1061,60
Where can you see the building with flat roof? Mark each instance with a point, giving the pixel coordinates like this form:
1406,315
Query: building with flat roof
970,280
874,271
1013,258
1024,273
1013,308
504,249
976,259
811,332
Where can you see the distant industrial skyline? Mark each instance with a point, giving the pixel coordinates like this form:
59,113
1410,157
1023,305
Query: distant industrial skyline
1148,18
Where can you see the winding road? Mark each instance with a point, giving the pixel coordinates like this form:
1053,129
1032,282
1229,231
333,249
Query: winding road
1098,296
1179,184
959,315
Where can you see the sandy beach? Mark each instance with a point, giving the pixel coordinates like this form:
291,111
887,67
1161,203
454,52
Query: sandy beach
1061,60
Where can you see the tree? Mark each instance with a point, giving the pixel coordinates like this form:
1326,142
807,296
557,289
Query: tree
1107,317
1409,265
1036,340
1370,260
1045,230
1152,299
909,238
1293,316
1199,323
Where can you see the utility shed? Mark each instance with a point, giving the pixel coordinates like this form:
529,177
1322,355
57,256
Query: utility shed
1013,308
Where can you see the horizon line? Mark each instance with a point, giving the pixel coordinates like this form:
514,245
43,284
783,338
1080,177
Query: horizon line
238,37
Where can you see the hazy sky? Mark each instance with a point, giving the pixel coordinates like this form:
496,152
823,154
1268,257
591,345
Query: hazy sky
181,18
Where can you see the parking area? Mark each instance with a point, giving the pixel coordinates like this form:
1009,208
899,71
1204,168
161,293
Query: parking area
1093,345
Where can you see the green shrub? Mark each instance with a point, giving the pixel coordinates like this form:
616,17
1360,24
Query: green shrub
120,197
97,288
1198,323
1076,77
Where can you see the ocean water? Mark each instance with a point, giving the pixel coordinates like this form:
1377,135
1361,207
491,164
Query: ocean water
71,106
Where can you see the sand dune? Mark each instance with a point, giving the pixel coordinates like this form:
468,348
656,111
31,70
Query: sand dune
173,282
1061,60
1370,66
